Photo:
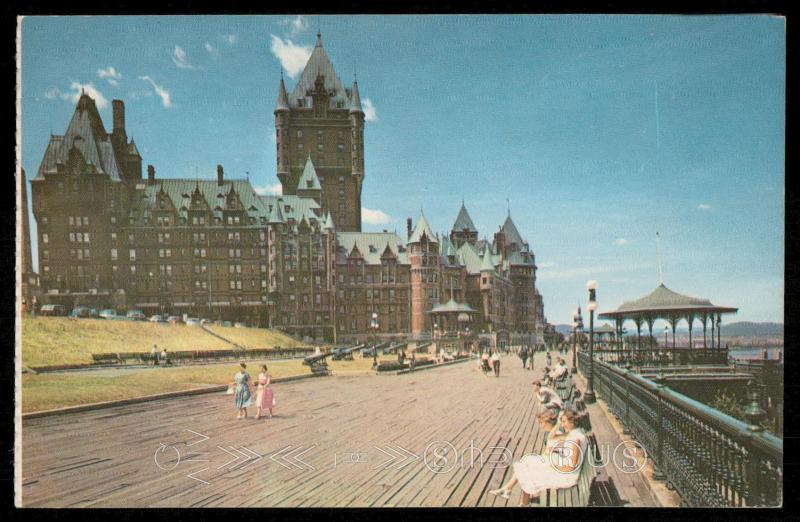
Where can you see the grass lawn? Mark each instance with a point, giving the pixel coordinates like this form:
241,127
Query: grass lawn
255,337
56,390
60,340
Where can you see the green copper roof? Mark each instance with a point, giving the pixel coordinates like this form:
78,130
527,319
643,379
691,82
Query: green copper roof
329,222
663,300
309,180
469,257
421,229
463,221
452,307
372,245
283,100
355,99
486,263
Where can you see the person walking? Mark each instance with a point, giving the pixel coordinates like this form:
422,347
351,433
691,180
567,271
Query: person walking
413,360
154,355
242,397
485,362
496,363
265,398
523,354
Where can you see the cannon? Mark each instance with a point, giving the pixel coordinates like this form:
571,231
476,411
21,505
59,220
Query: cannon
317,363
370,350
344,353
394,348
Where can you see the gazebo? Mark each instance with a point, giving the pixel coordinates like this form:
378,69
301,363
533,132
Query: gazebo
663,303
450,314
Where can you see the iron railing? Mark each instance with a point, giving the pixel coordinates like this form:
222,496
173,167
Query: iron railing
708,457
662,356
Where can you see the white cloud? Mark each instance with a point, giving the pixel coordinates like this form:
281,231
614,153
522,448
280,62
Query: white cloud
213,51
293,57
374,217
620,241
181,59
266,190
369,111
74,94
110,74
297,25
704,206
166,101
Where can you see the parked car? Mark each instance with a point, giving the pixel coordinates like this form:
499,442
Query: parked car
108,313
157,319
136,315
192,321
174,319
53,310
82,311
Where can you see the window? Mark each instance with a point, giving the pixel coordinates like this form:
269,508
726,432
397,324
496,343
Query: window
133,269
113,254
71,221
45,254
85,237
87,254
71,237
132,254
86,221
319,147
299,132
113,236
44,220
299,146
113,220
45,238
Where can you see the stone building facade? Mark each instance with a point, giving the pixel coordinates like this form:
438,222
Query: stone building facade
298,261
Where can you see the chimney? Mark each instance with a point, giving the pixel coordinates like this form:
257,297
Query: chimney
118,108
408,228
220,175
151,175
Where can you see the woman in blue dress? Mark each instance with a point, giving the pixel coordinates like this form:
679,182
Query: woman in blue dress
242,395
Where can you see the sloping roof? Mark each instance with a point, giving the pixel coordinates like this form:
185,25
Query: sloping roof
422,228
511,232
452,306
355,99
319,64
132,149
486,262
372,245
87,135
469,257
664,300
463,221
329,222
309,180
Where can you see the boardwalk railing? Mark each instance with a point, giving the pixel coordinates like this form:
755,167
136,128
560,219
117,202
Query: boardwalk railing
708,457
662,356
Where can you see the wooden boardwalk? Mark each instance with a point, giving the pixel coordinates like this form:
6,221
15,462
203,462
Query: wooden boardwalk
377,440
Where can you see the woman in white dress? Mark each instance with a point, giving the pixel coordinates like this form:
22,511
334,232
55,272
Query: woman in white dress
558,466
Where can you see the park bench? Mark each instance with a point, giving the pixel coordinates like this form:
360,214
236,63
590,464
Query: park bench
105,358
579,494
317,364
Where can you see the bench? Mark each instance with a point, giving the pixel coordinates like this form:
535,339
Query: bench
579,494
105,358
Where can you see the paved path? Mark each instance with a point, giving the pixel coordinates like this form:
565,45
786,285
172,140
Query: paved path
338,441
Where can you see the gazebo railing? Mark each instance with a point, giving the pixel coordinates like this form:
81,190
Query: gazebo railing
661,356
708,457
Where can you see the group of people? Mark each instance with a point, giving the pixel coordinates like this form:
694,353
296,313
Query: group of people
244,396
566,441
156,357
489,363
527,357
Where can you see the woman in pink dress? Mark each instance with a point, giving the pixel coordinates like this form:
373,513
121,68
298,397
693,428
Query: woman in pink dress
265,399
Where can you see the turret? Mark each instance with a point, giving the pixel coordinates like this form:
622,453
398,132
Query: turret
282,114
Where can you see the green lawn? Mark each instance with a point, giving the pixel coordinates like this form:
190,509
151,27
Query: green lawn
59,340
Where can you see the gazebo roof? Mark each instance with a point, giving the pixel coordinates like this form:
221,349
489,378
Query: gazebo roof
452,306
663,301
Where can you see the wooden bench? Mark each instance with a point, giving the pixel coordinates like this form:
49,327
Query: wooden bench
105,358
577,495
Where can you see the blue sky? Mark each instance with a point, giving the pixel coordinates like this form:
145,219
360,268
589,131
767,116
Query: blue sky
600,130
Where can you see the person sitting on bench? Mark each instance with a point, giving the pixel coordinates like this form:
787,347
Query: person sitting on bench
547,397
558,466
560,371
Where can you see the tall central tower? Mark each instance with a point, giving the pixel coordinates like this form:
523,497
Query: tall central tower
322,120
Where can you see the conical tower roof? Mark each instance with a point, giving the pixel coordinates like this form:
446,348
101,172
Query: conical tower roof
511,232
283,100
355,99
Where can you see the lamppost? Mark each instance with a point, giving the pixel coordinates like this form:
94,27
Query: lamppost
374,325
589,396
577,326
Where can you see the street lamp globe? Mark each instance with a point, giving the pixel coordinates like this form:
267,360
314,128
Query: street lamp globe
591,284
